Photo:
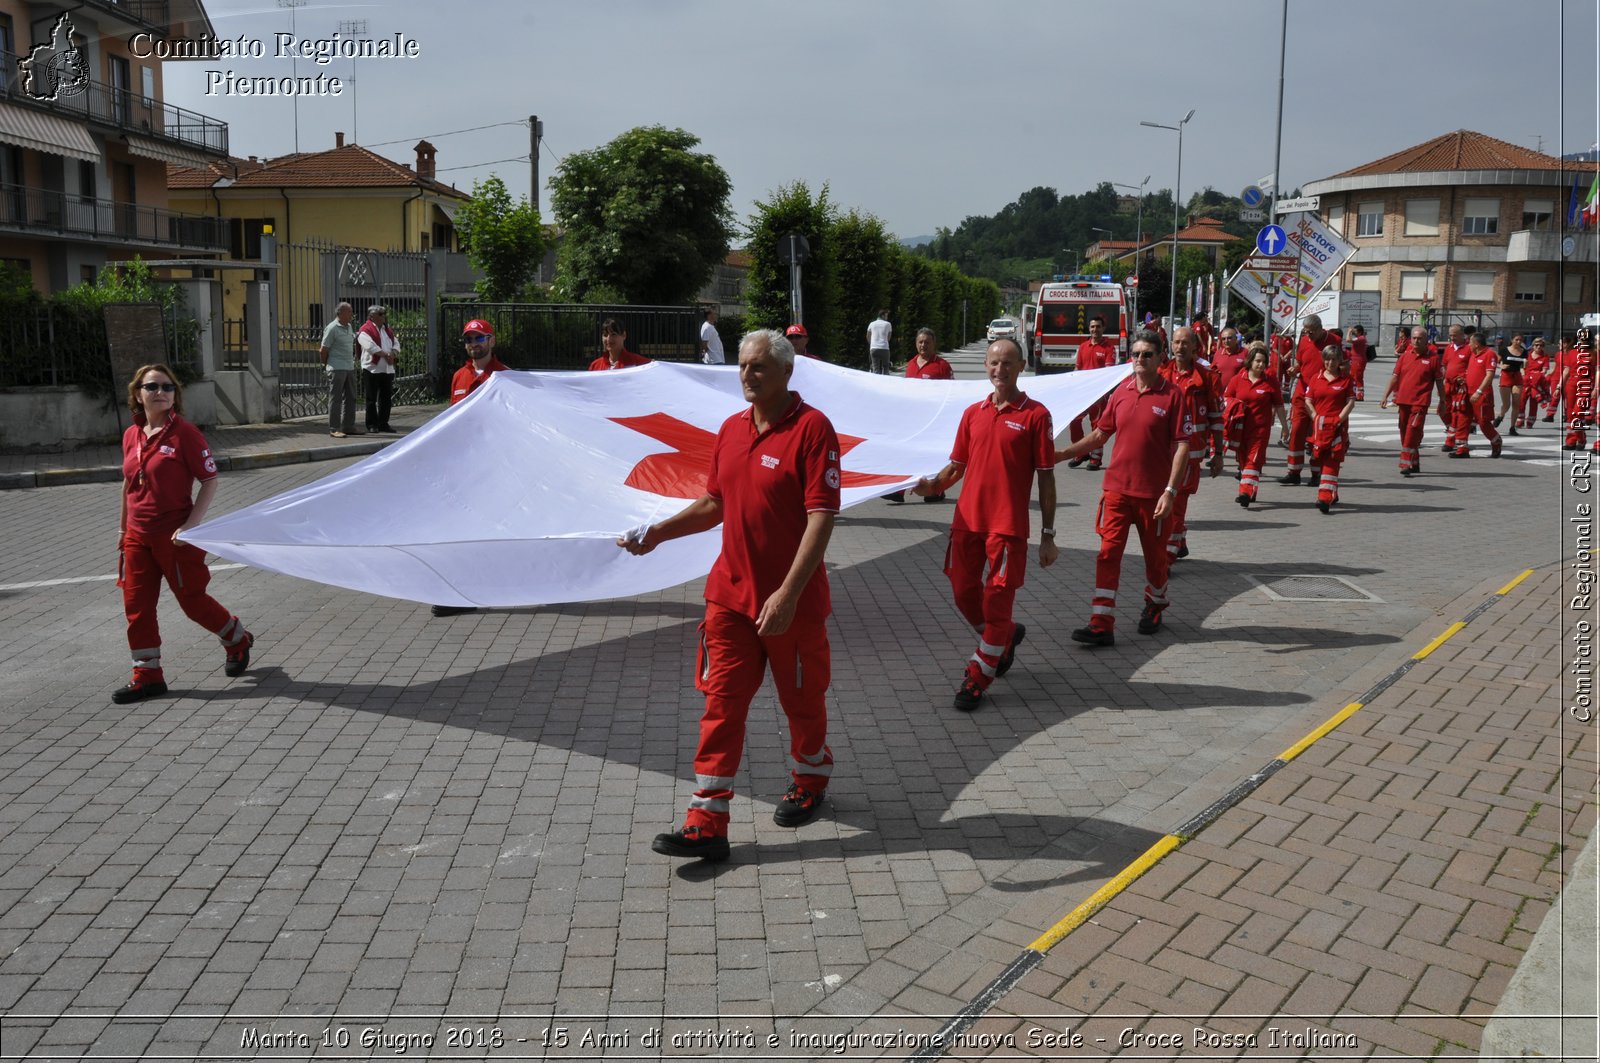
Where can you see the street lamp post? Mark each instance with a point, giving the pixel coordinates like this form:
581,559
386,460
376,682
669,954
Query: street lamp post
1177,201
1138,240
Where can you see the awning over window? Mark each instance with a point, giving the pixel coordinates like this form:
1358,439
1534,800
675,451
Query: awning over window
27,128
147,148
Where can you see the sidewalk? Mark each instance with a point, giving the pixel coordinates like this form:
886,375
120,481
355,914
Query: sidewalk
245,446
1373,897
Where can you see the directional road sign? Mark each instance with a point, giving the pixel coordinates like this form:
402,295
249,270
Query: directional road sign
1272,262
1246,214
1271,240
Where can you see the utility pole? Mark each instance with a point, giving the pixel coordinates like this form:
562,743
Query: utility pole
535,135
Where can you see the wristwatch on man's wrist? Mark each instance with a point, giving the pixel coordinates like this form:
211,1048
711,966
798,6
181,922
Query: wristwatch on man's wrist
1047,533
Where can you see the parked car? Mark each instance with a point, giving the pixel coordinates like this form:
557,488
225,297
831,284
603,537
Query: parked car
1002,328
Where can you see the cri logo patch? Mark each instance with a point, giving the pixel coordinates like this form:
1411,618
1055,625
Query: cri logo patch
682,471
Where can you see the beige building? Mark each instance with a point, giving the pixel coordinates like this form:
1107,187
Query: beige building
1470,227
85,138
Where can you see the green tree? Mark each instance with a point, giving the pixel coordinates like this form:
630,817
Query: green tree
504,240
862,256
791,209
645,215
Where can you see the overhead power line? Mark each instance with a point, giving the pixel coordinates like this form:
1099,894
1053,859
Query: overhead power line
434,136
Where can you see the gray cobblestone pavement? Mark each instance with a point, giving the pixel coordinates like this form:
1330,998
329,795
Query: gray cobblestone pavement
394,818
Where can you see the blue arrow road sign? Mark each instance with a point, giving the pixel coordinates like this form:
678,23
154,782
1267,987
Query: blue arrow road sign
1271,239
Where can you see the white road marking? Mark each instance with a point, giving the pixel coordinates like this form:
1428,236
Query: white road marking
36,584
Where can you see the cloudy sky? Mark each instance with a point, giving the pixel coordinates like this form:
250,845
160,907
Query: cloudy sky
924,111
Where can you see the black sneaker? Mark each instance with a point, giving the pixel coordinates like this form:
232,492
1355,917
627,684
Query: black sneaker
1494,448
453,610
1093,466
239,656
1289,479
1513,430
692,842
1075,462
1324,506
1183,552
1150,619
1446,448
1090,636
1243,500
1461,454
1410,470
799,806
897,498
1009,658
138,692
969,696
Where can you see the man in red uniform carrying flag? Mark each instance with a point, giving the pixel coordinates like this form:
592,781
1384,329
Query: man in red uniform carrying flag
1417,378
774,488
1150,460
1003,443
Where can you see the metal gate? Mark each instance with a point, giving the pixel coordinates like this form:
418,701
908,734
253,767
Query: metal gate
313,279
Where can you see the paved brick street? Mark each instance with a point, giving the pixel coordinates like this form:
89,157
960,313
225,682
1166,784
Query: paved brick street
394,818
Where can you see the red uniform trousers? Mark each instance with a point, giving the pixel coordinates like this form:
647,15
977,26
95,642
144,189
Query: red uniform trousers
147,559
1413,420
1329,445
1535,393
984,600
1119,513
1178,524
1299,429
1465,412
1075,430
1252,451
732,661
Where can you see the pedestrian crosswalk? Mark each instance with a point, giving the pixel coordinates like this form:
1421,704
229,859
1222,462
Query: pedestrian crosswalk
1537,446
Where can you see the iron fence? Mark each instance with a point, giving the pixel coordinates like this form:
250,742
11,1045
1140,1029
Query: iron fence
56,346
43,210
124,108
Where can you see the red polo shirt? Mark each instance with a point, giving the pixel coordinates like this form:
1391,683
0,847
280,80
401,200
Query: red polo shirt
160,474
767,482
1329,397
1307,363
1415,375
1148,426
1256,399
936,369
1228,365
468,379
1001,447
627,361
1481,365
1202,404
1096,355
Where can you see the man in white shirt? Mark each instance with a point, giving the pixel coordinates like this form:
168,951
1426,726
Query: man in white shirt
710,340
379,348
878,333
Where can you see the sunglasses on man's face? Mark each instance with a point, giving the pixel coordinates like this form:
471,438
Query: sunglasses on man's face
153,387
474,339
1144,354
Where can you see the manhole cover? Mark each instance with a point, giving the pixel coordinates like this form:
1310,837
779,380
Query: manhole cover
1314,589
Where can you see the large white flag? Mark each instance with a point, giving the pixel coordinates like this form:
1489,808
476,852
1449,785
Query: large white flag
517,495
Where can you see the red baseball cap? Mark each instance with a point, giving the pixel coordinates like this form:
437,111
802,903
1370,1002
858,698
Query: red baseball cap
797,330
478,325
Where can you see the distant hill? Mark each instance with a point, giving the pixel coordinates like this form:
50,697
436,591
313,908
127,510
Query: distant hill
912,242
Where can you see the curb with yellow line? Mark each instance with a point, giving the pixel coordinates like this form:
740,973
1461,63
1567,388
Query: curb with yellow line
1037,949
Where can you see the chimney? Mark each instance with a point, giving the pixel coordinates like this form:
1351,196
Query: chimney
425,161
338,140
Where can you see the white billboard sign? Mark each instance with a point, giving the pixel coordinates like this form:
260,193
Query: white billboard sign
1322,252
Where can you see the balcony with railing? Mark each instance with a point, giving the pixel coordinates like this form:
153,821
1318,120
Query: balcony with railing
155,14
124,109
1527,245
41,212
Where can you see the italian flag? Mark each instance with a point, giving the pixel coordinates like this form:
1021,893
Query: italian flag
1589,213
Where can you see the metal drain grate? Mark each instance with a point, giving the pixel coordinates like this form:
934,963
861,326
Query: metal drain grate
1314,589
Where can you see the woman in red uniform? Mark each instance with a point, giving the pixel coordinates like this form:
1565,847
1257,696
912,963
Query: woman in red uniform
1330,396
1253,397
1535,384
162,457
